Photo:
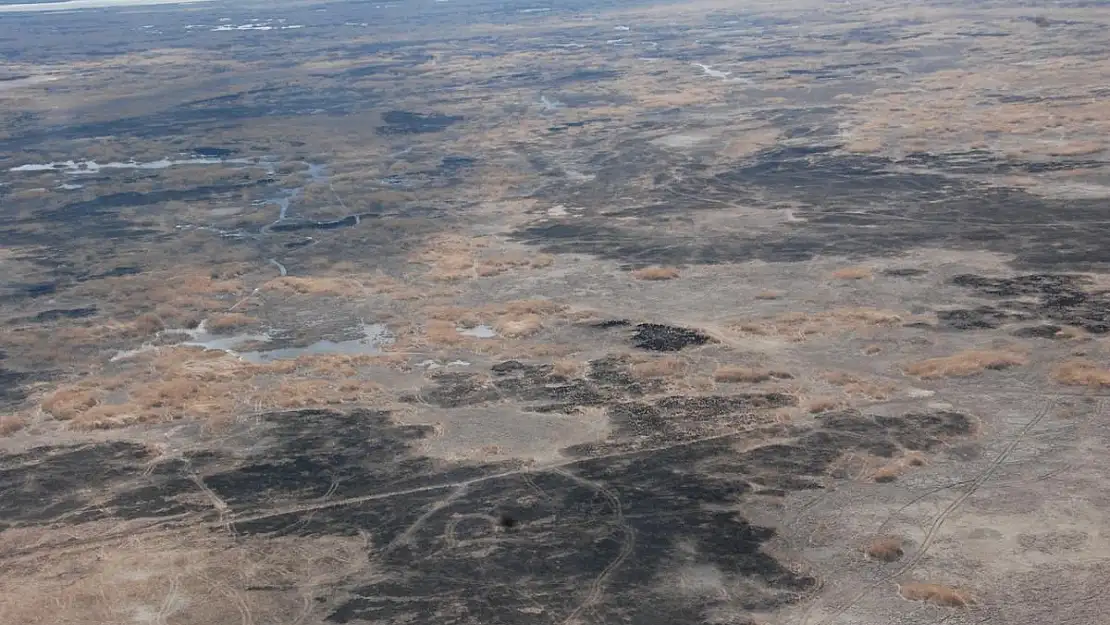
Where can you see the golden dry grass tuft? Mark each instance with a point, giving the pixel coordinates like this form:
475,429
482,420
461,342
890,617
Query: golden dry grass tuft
177,382
855,386
663,367
454,258
823,403
228,322
438,332
10,424
568,368
966,363
887,474
936,594
853,273
316,285
884,549
1082,373
656,273
799,326
148,324
751,375
518,326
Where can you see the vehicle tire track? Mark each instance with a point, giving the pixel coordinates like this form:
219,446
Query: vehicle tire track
628,544
940,519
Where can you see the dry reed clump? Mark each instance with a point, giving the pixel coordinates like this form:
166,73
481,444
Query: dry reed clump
799,326
751,375
1081,373
656,273
966,363
823,403
664,367
316,285
10,424
885,549
148,324
228,322
453,258
518,326
568,368
179,298
853,273
936,594
175,383
855,386
438,332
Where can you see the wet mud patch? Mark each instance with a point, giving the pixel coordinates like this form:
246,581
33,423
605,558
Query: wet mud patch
407,122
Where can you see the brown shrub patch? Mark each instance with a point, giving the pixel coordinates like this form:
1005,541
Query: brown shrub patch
966,363
853,273
752,375
1081,373
885,549
937,594
227,322
767,295
656,273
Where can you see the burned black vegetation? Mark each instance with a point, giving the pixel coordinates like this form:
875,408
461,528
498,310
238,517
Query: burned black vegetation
489,542
1056,298
845,204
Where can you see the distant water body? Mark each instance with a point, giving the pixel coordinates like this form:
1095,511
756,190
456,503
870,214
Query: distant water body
69,5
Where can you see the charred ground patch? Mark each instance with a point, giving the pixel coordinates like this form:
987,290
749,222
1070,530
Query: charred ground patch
844,205
1060,298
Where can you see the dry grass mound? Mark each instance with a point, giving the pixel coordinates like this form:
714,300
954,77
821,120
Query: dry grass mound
966,363
655,368
519,326
799,326
10,424
175,383
316,285
228,322
656,273
1082,373
885,549
751,375
454,258
853,273
936,594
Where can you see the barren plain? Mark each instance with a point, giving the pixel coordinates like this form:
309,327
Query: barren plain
470,312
